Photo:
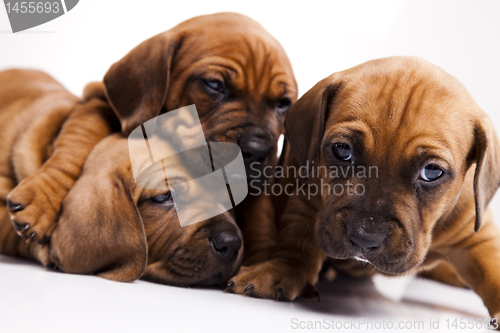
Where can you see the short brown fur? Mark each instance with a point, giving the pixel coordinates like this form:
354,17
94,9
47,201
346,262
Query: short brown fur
398,114
43,123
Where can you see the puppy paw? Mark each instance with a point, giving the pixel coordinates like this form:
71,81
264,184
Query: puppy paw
34,206
275,279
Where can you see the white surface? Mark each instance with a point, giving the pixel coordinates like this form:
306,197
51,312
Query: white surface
321,37
35,299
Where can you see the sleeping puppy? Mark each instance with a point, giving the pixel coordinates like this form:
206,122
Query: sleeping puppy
437,160
236,74
142,236
109,226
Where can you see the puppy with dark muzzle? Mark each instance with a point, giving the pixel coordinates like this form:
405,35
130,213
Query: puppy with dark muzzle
434,158
144,238
226,64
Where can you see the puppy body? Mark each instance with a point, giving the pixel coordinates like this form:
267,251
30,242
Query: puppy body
409,119
47,134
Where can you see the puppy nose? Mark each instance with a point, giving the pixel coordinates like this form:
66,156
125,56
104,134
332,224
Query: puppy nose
255,150
367,242
226,245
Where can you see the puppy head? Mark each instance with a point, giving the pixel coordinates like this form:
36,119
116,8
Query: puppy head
112,228
396,138
236,74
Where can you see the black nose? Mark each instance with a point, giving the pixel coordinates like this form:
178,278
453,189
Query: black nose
255,150
226,245
367,243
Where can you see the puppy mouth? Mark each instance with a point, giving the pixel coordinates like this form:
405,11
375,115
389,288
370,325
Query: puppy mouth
378,260
217,280
387,267
198,277
362,259
197,264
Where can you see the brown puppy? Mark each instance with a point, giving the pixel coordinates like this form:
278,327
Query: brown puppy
146,240
436,156
236,74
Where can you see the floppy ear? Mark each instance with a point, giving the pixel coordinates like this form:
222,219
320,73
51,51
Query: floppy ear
487,174
137,85
100,230
305,121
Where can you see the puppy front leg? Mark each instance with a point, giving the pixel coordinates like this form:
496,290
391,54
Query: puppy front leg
295,265
35,203
477,260
256,217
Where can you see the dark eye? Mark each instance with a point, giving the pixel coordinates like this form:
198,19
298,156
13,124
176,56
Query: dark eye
215,85
162,198
283,105
342,151
431,172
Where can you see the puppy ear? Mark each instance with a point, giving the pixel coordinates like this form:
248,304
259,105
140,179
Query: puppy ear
100,230
487,158
305,121
137,85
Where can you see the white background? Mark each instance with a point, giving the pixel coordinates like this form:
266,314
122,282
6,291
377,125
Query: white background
320,37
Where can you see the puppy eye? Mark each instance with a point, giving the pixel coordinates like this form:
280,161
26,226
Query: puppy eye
162,198
431,172
342,151
215,85
283,105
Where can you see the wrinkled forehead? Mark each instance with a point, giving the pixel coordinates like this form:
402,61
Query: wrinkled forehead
221,32
403,112
238,47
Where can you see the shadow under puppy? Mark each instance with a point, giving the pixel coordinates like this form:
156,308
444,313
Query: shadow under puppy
236,74
437,158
